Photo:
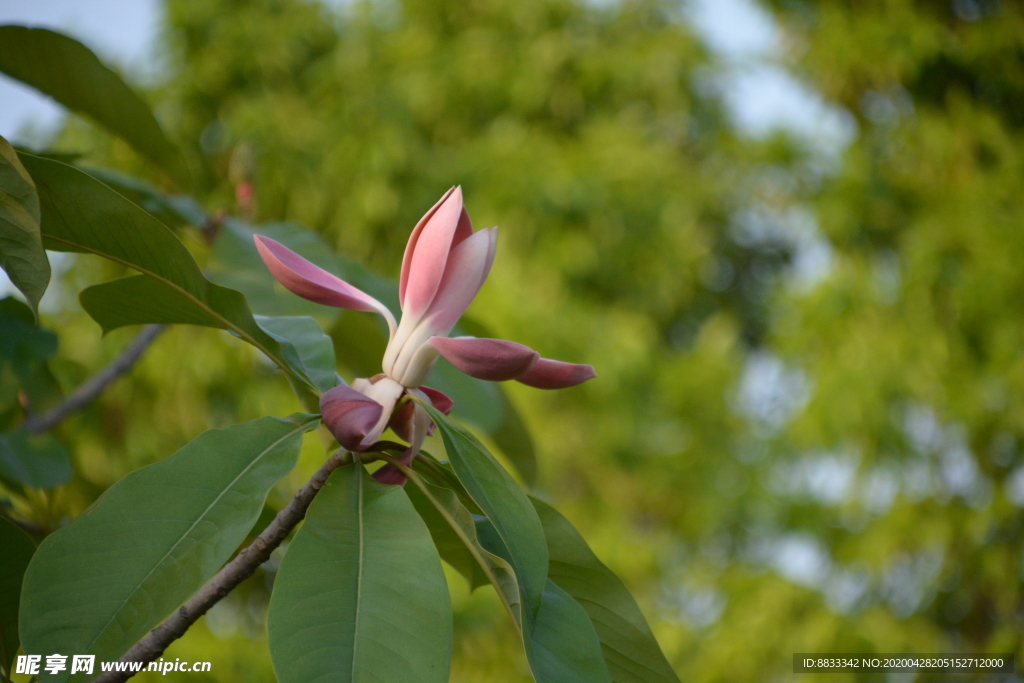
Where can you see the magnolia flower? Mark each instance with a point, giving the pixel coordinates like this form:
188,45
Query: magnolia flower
445,265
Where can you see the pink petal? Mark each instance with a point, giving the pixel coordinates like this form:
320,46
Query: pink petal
495,360
314,283
349,415
554,374
409,358
440,230
438,399
467,269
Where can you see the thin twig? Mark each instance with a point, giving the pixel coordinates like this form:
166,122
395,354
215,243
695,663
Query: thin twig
232,574
89,390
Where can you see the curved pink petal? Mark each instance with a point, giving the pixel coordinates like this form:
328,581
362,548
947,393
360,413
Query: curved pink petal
314,283
440,230
495,360
349,415
555,374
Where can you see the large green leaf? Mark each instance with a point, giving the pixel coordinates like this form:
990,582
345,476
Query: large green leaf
40,462
70,73
454,532
21,243
360,595
17,551
630,649
504,503
154,538
79,213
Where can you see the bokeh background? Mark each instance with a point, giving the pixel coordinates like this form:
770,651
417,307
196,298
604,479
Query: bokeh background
789,235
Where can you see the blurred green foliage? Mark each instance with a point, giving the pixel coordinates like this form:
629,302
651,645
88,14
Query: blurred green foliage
800,440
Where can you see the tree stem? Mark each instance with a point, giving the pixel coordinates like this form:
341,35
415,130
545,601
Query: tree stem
90,389
232,574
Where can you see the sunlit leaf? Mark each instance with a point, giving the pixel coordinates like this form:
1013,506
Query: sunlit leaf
153,539
504,503
630,649
17,551
21,246
79,213
69,72
360,594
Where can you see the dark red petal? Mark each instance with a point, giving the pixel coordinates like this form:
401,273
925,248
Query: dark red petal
438,399
349,415
555,374
495,360
389,474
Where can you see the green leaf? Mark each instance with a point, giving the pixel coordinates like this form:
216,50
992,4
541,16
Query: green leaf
25,348
504,503
40,462
21,245
360,594
560,641
18,549
22,343
79,213
454,532
563,646
630,649
70,73
154,538
306,347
